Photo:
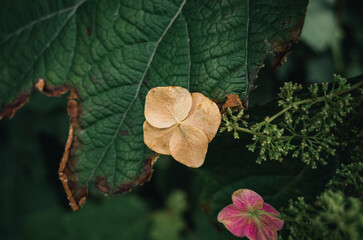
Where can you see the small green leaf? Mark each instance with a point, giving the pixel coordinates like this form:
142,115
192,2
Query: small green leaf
168,223
321,30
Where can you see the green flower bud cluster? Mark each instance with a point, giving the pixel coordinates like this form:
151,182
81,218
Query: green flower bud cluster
349,179
306,125
332,216
336,214
354,135
232,123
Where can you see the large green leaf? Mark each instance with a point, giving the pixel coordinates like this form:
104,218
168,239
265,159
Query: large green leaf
109,53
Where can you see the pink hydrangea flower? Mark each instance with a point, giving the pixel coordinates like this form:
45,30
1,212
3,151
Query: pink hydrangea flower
249,216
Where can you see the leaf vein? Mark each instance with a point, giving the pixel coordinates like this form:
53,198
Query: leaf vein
137,90
31,24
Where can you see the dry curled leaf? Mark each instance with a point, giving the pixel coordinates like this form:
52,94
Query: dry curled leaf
180,124
233,101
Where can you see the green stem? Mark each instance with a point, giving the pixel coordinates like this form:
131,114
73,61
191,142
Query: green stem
246,130
278,114
319,99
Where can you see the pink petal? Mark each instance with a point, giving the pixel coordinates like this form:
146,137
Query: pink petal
271,222
228,212
233,219
242,219
253,232
246,199
269,233
270,209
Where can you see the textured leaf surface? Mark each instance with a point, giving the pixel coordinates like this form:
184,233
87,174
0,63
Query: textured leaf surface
108,54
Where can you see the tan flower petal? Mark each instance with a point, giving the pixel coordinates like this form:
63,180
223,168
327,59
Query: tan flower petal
204,115
166,106
188,145
157,139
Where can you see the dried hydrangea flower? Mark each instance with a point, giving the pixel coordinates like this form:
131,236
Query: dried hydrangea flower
249,216
180,124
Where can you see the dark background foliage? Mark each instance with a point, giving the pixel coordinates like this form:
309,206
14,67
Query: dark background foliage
33,204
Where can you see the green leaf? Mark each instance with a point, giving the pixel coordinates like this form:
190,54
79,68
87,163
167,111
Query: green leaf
230,166
122,218
108,54
168,223
321,30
